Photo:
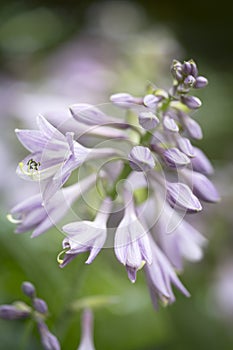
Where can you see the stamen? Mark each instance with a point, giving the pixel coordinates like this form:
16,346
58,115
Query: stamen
13,220
59,259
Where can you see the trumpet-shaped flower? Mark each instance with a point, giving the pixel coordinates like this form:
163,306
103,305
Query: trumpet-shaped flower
131,245
53,156
83,236
32,214
160,276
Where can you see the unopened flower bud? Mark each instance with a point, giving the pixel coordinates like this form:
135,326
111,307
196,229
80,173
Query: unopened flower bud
181,197
40,305
151,100
141,159
175,158
28,289
49,341
11,312
187,68
189,81
170,124
148,120
193,128
194,70
191,102
200,82
185,146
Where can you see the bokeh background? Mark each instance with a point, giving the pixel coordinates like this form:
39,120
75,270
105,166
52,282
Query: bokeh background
55,53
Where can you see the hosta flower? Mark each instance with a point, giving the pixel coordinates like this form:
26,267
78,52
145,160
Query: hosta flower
178,239
160,186
83,236
53,156
87,331
33,214
161,276
131,244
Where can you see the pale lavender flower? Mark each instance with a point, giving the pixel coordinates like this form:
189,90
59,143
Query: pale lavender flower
141,159
84,236
131,244
87,331
180,197
160,276
54,156
32,214
49,341
177,238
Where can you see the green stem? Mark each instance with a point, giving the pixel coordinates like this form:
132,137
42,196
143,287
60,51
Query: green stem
123,175
26,335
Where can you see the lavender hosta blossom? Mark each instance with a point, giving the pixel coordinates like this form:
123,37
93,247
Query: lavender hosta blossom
177,238
84,236
32,214
163,131
141,159
131,244
160,276
54,156
87,331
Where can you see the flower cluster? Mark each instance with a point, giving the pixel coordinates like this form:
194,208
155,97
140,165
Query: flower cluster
164,175
38,311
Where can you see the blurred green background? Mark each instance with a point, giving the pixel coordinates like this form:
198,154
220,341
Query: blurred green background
53,53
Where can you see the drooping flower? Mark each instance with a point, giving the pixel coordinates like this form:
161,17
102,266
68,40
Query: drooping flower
53,156
160,276
33,214
131,244
83,236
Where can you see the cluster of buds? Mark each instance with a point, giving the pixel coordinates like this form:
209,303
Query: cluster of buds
186,76
158,158
38,311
